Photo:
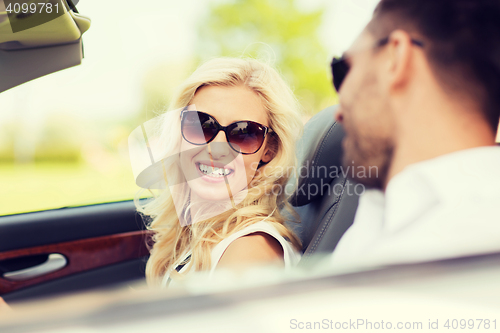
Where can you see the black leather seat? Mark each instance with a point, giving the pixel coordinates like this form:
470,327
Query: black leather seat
325,199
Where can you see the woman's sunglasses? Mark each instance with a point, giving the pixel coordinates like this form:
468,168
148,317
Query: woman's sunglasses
340,66
200,128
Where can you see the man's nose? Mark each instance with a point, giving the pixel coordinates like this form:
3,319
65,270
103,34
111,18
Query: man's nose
219,147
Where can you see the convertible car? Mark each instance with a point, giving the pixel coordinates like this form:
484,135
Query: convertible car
92,250
71,249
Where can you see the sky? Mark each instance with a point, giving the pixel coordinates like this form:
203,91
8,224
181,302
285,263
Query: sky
124,41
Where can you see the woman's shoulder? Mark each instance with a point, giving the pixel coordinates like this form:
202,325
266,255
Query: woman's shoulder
256,248
259,242
262,229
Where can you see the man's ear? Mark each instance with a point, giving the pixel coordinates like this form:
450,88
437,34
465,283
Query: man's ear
399,58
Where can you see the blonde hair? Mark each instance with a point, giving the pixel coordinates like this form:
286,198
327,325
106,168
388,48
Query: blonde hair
171,240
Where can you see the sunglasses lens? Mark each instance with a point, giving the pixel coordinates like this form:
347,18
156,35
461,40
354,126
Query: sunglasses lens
246,136
340,68
198,128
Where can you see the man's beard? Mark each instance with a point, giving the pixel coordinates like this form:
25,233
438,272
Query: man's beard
367,160
368,146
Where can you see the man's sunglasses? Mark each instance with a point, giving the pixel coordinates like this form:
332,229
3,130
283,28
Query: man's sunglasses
340,67
200,128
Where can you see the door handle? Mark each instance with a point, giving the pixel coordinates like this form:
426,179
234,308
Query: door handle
54,262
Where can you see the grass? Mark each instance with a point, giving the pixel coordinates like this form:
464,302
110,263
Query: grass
35,187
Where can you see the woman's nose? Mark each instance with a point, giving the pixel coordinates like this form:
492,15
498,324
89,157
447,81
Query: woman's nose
219,147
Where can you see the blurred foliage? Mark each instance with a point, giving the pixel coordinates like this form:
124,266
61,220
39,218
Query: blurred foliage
277,30
60,140
158,85
60,137
57,138
6,143
67,160
38,186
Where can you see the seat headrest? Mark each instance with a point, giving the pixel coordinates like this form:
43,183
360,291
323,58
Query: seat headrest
319,154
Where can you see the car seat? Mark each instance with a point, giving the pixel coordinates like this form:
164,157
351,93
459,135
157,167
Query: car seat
325,199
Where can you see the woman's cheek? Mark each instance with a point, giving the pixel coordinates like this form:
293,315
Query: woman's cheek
251,168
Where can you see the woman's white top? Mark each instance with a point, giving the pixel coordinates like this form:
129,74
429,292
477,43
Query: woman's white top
290,255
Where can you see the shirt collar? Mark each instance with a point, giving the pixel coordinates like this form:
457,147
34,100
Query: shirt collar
422,186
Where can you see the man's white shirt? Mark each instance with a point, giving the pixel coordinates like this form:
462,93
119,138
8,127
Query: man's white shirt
442,208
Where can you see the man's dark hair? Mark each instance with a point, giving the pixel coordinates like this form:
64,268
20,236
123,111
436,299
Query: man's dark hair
462,43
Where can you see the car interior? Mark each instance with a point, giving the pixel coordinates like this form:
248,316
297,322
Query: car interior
77,248
407,289
80,248
324,199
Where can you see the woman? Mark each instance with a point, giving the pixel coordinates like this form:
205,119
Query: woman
234,143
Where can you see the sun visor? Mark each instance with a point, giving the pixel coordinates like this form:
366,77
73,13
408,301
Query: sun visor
34,42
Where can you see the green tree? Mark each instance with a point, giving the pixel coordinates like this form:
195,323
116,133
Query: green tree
158,86
275,29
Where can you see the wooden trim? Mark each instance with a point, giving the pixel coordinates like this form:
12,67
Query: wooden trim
82,255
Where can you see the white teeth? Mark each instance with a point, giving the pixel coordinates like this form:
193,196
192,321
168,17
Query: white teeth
214,172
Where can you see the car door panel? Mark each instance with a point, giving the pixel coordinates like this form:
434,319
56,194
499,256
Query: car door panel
124,273
41,247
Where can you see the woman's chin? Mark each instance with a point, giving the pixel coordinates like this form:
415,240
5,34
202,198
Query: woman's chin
208,191
213,192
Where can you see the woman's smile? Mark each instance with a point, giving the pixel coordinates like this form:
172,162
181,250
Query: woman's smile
213,173
209,168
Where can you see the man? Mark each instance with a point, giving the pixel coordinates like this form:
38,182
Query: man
420,101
